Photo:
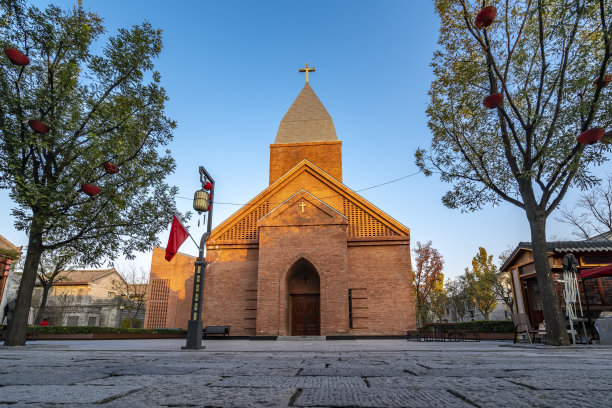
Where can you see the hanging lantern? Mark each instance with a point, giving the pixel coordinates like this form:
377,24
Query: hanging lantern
591,136
208,186
111,168
90,189
38,126
17,57
493,101
604,82
485,17
201,201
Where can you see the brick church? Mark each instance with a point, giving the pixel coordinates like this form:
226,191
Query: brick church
306,256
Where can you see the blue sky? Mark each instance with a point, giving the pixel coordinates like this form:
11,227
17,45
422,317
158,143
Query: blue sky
231,71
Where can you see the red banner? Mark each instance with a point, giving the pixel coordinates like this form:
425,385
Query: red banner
178,235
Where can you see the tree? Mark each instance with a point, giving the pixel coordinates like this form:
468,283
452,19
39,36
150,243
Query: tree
427,276
458,296
99,108
549,60
50,265
481,281
438,301
591,215
133,292
502,289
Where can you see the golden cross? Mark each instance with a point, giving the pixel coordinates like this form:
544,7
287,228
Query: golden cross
307,70
302,205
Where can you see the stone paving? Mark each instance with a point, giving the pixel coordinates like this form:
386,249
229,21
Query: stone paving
357,373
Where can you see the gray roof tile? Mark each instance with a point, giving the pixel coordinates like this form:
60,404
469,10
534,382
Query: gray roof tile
307,120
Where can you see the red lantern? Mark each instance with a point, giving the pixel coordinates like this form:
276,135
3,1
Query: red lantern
485,17
208,185
111,168
38,126
493,101
90,189
591,136
605,81
209,207
17,57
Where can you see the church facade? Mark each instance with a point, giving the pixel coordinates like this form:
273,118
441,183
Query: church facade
306,256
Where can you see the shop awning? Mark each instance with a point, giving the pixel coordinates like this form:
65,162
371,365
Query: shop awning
598,272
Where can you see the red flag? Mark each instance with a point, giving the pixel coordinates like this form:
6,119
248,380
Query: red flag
178,235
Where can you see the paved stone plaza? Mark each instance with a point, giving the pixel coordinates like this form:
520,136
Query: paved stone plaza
358,373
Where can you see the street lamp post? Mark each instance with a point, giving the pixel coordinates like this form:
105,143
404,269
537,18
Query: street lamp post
200,204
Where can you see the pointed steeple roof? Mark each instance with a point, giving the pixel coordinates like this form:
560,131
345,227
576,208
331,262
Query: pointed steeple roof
307,120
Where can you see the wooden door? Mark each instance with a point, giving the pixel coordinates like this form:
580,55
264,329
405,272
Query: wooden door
305,315
536,313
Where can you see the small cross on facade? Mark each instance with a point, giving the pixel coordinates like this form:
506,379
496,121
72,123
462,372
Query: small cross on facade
302,205
307,70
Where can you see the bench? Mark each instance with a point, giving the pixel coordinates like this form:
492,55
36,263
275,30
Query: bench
224,330
468,335
420,335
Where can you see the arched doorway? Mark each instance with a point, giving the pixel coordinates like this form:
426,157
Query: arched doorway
303,289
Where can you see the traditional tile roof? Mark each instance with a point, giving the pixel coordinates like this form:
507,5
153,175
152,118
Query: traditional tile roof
582,246
5,243
562,247
605,235
138,288
82,277
307,120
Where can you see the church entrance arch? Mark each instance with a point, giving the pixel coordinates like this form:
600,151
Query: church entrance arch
304,292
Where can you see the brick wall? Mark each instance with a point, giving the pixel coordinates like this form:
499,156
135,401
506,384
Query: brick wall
247,287
324,246
381,277
325,155
175,278
230,289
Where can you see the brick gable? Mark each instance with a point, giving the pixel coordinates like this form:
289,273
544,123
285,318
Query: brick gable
363,218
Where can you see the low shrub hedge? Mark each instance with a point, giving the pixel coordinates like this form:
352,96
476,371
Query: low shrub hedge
95,329
488,326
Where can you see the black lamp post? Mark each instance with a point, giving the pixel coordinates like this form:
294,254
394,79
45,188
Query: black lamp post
201,203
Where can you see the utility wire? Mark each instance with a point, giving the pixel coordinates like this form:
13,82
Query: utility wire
335,195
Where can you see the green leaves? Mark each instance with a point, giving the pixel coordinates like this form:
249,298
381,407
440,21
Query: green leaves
544,57
99,108
481,282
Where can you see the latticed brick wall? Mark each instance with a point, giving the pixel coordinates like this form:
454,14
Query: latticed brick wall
158,303
362,224
247,227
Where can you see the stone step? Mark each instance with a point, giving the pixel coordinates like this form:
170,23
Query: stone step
300,338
